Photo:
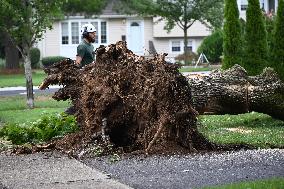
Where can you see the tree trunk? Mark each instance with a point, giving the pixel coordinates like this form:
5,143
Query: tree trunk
11,53
185,49
28,74
234,92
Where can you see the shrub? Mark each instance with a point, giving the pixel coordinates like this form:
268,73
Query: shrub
48,61
256,40
212,46
190,57
278,45
35,57
232,35
44,129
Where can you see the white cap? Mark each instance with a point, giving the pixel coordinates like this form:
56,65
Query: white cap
88,28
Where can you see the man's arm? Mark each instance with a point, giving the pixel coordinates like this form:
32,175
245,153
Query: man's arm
78,60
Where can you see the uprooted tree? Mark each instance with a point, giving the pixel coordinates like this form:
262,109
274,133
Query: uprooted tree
233,92
127,100
146,104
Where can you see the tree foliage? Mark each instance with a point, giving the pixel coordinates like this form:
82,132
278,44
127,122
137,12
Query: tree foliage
84,7
232,35
278,41
25,21
256,39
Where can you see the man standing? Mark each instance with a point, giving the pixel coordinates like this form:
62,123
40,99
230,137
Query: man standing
85,50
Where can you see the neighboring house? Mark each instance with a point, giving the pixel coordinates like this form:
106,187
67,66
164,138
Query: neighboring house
143,35
266,5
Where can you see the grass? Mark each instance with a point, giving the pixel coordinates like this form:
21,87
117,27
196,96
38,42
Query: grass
256,129
198,69
15,80
273,183
14,110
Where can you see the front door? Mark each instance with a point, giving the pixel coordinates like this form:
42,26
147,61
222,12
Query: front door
135,37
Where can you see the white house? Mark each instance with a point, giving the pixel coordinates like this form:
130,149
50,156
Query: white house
143,35
267,5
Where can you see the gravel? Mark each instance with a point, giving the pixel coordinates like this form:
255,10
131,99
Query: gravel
192,171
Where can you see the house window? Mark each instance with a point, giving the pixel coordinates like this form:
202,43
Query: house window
97,33
70,31
176,47
64,36
244,5
189,46
103,32
75,32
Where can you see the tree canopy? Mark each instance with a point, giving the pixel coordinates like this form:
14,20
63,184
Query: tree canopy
84,7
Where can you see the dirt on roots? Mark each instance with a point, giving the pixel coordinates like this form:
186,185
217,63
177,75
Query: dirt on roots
128,101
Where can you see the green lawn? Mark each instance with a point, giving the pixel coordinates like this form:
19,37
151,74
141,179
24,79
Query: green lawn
273,183
14,110
192,69
256,129
15,80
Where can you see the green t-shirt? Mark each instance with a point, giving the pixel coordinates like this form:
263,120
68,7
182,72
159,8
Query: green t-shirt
85,51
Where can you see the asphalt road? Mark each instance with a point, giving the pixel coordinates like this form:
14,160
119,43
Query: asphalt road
13,91
193,171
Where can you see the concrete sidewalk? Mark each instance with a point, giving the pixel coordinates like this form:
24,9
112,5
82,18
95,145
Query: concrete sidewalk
51,170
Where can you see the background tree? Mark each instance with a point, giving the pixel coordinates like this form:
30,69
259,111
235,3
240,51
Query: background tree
232,35
183,13
256,39
278,41
84,7
25,21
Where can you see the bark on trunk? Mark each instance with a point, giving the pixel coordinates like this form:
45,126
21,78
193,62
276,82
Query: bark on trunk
28,75
233,92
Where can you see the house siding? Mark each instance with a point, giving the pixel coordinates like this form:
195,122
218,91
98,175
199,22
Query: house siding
117,28
148,31
196,30
50,44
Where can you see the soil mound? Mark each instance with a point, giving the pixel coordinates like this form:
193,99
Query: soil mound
128,101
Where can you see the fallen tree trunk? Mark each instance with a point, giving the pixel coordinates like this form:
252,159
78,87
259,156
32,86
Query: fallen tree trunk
127,100
233,92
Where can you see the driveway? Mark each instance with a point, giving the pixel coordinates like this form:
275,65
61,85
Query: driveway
193,171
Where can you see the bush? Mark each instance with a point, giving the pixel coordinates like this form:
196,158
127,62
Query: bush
44,129
35,57
232,44
48,61
256,49
212,47
278,42
191,56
